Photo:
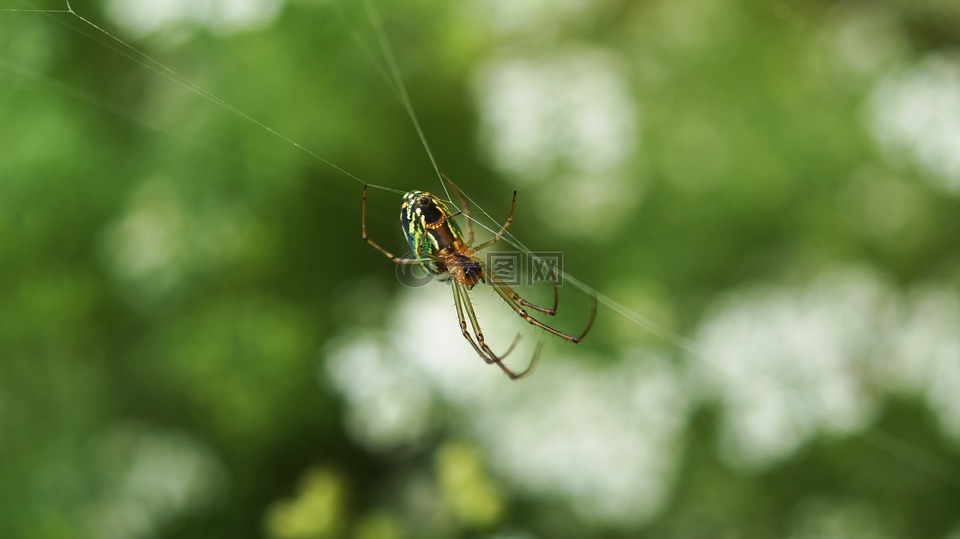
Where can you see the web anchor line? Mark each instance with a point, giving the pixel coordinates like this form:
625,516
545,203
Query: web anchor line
148,62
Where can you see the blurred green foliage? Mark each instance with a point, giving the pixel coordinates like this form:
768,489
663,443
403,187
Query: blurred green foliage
171,273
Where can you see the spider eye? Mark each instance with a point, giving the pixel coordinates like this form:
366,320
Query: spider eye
423,202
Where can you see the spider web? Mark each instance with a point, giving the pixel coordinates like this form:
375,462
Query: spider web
391,72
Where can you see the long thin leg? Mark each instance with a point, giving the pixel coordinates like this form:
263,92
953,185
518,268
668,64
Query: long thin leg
463,304
388,254
467,306
466,207
508,295
463,324
497,281
495,239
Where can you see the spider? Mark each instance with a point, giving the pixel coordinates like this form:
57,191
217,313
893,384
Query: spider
441,249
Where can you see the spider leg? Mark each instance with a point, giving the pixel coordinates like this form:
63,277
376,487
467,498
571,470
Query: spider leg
463,304
503,228
517,305
496,281
466,207
388,254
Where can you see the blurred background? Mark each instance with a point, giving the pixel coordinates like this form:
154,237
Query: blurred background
195,342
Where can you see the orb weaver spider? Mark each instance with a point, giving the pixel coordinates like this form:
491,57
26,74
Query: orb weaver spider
441,249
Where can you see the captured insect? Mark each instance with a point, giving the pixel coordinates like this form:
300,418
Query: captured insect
441,249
